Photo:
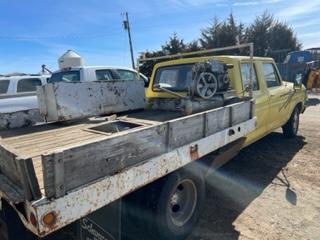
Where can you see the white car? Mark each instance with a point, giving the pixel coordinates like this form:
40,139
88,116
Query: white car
96,73
18,92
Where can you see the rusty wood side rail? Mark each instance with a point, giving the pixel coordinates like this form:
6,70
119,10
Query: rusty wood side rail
81,164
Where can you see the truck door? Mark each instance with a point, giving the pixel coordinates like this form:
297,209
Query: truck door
261,101
278,96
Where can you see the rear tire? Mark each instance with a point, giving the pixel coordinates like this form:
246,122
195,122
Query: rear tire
290,129
170,208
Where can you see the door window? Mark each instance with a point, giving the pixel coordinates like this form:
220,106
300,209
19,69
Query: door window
4,85
103,74
245,74
65,76
127,75
28,85
270,75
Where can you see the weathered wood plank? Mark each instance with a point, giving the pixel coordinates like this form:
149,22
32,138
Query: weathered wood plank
10,191
89,162
29,179
187,129
8,164
240,112
217,120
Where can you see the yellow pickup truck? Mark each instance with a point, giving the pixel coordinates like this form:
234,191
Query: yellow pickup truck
139,172
278,103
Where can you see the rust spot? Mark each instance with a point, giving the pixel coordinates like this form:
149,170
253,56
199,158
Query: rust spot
194,155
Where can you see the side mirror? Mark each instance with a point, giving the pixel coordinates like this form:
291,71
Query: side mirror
298,80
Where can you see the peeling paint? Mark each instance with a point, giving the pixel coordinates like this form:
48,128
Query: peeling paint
65,101
19,119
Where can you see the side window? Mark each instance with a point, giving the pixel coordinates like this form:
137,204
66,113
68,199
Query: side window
28,85
245,74
103,74
127,75
270,75
4,85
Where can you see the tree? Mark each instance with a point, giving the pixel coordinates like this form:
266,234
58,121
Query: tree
269,35
147,67
193,46
210,35
258,33
282,37
174,45
222,34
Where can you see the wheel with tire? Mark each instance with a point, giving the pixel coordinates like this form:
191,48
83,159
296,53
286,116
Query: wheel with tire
290,129
170,208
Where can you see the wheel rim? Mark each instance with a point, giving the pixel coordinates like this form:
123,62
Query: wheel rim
295,122
183,202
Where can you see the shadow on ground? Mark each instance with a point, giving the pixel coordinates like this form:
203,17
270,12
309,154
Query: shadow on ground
234,186
313,101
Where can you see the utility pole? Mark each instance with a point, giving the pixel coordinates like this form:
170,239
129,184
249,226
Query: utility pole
126,26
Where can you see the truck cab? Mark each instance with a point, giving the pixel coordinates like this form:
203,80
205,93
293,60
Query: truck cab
18,92
278,103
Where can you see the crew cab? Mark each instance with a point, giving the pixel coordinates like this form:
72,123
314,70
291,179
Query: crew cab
277,103
95,73
18,92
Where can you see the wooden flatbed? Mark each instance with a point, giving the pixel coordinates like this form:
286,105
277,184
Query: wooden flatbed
32,142
74,168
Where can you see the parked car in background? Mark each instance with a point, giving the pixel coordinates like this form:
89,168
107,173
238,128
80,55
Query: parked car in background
18,91
96,73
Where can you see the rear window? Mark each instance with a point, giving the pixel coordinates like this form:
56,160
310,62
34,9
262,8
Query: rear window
174,78
4,85
28,85
68,76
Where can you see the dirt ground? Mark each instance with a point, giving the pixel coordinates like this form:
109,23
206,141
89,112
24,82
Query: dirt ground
271,190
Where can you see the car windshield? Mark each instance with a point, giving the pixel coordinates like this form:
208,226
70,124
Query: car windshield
68,76
175,78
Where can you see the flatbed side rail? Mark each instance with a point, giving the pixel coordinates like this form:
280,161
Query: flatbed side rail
70,168
18,172
86,199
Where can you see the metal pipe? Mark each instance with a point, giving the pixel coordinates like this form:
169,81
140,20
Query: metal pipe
251,71
180,55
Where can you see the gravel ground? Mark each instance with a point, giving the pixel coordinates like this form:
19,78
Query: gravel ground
271,190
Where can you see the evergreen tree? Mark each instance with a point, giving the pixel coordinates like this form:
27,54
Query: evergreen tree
174,45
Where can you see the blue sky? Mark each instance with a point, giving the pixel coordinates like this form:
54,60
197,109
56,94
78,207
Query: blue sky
38,32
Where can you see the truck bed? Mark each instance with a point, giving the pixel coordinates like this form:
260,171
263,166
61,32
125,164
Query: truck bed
52,159
32,142
74,168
